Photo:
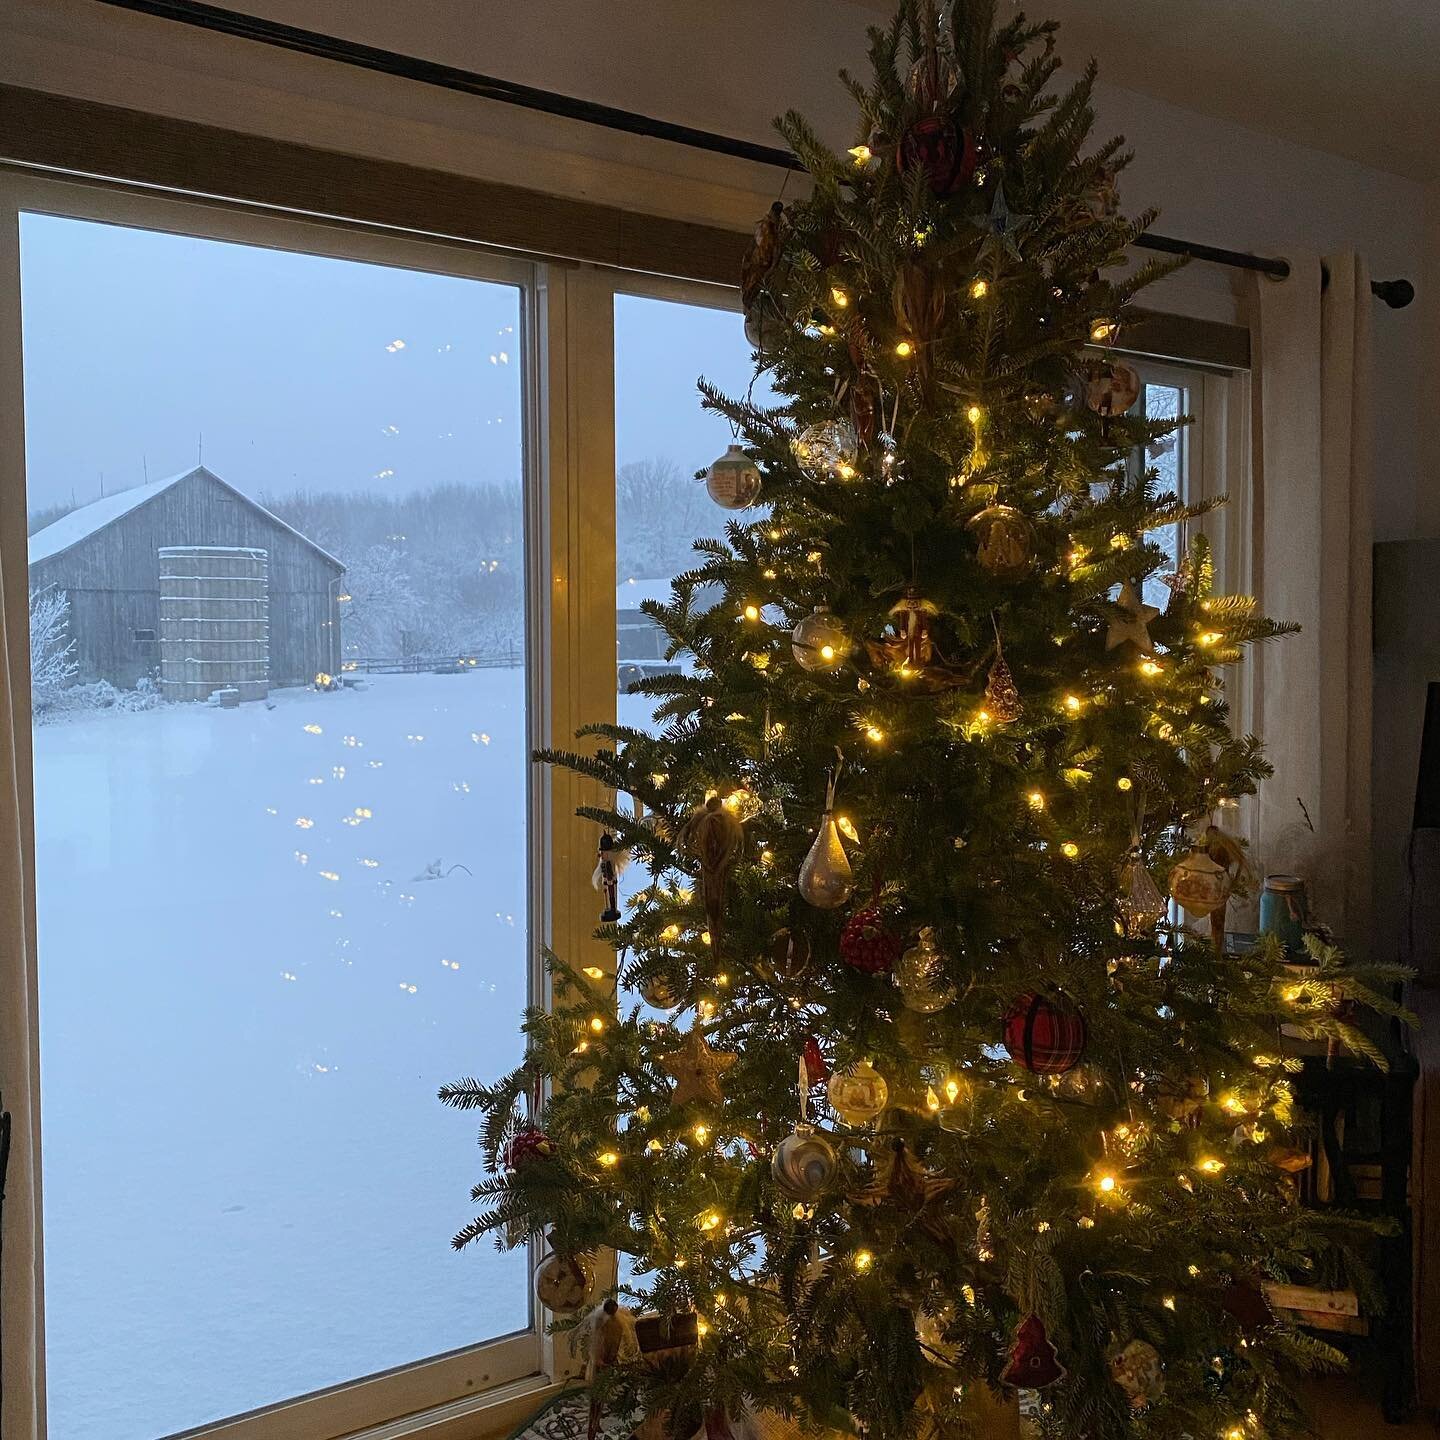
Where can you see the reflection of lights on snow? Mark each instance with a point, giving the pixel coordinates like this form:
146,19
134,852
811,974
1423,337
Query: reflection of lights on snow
379,475
364,812
288,975
450,964
304,822
370,864
313,730
389,429
479,737
337,914
330,874
315,780
460,787
505,919
408,899
374,764
351,741
415,738
337,772
302,857
395,345
443,349
408,988
271,810
321,1069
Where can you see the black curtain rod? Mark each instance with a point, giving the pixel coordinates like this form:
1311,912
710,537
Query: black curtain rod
1395,293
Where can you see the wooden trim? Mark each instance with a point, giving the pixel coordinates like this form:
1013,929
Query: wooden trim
80,137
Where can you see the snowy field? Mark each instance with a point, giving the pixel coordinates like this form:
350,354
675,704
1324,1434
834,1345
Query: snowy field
248,999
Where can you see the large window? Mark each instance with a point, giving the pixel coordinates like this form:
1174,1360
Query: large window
322,545
277,568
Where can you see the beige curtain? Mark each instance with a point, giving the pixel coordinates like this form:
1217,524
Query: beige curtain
20,1353
1311,357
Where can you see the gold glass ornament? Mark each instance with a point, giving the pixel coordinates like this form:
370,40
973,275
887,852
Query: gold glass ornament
1002,695
826,878
1005,541
733,481
858,1093
819,641
828,448
919,975
803,1164
1199,884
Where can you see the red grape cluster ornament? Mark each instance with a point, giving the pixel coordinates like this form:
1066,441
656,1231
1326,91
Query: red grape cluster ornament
1044,1036
868,944
525,1146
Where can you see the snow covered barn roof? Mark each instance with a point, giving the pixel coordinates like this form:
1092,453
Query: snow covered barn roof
78,525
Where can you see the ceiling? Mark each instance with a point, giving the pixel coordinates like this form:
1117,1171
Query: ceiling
1359,78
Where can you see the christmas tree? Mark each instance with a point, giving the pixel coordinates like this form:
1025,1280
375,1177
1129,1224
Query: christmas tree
937,1104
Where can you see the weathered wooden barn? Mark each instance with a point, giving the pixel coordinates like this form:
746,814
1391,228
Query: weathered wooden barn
193,583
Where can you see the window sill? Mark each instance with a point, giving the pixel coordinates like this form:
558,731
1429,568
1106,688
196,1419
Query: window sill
477,1417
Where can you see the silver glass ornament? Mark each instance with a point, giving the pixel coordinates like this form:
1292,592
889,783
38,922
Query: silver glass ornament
826,879
828,448
803,1164
919,975
819,641
733,481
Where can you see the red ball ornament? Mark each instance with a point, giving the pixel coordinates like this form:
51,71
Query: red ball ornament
867,944
526,1145
1046,1037
947,156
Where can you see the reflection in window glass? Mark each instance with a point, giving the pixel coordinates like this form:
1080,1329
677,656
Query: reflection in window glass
1165,402
280,750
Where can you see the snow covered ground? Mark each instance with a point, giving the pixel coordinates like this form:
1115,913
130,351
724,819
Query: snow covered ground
248,1000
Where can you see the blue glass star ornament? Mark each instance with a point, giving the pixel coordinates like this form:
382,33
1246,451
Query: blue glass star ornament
1000,225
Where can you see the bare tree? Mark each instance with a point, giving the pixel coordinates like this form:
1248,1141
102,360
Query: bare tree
658,513
52,649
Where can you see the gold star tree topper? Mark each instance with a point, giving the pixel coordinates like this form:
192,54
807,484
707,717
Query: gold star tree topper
1129,624
697,1069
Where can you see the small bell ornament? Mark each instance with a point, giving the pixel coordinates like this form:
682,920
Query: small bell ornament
920,976
611,858
858,1093
1005,541
826,878
804,1163
733,481
1137,1370
828,448
1033,1363
819,641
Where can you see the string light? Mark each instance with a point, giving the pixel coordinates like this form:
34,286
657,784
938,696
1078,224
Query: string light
974,414
1036,800
840,298
861,154
1073,703
1209,637
608,1159
1103,331
874,734
904,349
980,289
597,1023
594,972
1168,1302
654,1147
862,1260
1106,1184
708,1220
751,612
701,1134
1210,1165
1124,783
1070,850
1150,669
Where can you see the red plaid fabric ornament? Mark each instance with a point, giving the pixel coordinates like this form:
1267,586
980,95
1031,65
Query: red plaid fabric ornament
1045,1037
867,944
945,155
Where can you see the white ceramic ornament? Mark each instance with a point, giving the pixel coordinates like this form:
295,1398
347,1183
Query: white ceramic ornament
828,448
819,641
733,481
858,1093
919,975
1199,884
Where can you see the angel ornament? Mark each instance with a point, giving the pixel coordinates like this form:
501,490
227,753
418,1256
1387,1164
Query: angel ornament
715,837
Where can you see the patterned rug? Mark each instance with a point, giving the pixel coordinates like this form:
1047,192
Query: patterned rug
567,1417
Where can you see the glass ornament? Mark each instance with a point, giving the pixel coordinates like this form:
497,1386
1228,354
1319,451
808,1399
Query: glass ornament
1142,906
803,1164
1005,540
826,448
819,641
562,1282
733,481
858,1093
1137,1370
920,976
826,878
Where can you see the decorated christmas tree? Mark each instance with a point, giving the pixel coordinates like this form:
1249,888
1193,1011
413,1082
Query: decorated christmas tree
948,1096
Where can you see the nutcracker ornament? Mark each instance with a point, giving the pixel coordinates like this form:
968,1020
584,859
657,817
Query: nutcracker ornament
1136,1368
611,858
714,836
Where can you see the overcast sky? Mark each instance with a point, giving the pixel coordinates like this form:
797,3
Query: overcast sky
144,350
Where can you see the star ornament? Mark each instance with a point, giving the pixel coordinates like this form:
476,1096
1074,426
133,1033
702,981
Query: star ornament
697,1069
1129,624
1000,225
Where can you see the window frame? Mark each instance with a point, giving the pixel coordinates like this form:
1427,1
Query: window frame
503,1375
